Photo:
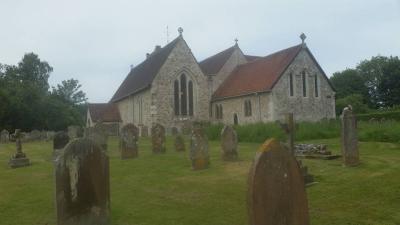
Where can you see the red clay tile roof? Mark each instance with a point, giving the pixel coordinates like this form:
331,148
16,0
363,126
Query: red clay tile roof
213,64
142,75
257,76
250,58
105,112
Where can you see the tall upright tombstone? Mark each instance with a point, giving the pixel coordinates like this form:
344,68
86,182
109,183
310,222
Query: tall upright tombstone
60,140
276,191
129,137
4,136
229,142
199,149
158,138
349,138
19,159
98,134
82,184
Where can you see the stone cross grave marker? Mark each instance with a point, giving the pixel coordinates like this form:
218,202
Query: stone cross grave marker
349,138
199,149
4,136
229,143
129,137
19,159
60,140
276,191
289,128
158,138
82,184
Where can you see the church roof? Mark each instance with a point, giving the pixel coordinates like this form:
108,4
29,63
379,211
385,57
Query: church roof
105,112
213,64
250,58
142,75
257,76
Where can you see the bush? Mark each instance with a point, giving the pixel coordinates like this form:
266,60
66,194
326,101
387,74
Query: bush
355,100
387,115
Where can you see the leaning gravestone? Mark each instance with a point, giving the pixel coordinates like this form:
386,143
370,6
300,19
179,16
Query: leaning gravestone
19,159
144,131
179,143
158,138
99,135
82,184
75,132
349,139
199,149
276,192
229,143
60,140
4,136
128,141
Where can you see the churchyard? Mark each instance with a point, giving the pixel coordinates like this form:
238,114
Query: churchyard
155,188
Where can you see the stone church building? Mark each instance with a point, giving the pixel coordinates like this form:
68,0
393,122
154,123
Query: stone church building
172,88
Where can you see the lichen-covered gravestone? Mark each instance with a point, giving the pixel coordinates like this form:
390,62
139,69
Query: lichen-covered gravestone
349,138
75,132
4,136
82,184
19,159
158,138
276,192
179,143
144,131
128,141
60,140
199,149
98,134
229,143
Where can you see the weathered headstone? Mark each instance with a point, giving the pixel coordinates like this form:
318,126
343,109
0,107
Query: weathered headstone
174,131
349,138
179,143
276,192
99,135
82,184
60,140
229,143
129,136
199,149
35,135
144,131
4,136
75,132
158,138
19,159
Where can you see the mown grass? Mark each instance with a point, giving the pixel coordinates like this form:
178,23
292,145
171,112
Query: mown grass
386,131
162,189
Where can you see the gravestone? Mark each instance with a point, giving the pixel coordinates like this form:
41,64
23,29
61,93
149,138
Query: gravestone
128,141
60,140
199,149
349,138
50,135
276,191
35,135
75,132
4,136
174,131
82,184
179,143
99,135
19,159
229,143
144,131
158,138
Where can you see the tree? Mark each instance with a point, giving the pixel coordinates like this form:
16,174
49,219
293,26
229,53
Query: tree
348,82
69,90
355,100
388,86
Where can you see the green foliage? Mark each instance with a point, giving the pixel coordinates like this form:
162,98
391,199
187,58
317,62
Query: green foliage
355,100
348,82
386,131
26,102
378,116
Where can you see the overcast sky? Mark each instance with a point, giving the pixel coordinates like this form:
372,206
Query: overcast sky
96,41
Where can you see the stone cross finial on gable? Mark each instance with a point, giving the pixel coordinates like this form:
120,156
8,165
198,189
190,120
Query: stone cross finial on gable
180,30
236,41
303,37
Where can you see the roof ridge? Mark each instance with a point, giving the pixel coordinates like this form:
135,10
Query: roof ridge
232,47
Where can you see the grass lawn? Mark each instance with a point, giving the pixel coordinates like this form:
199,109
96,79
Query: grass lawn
162,189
